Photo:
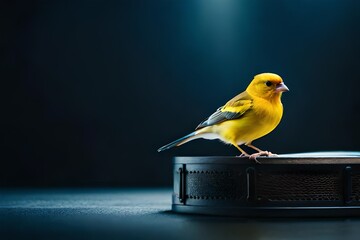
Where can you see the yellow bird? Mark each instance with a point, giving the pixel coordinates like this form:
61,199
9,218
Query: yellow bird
248,116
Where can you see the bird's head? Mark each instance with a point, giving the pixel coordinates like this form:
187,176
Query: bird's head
267,85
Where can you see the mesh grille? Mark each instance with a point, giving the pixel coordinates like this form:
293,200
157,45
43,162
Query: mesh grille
212,185
298,186
355,195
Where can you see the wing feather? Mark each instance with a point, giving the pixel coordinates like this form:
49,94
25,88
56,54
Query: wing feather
233,109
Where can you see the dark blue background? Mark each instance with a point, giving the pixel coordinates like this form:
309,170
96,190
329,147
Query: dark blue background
92,88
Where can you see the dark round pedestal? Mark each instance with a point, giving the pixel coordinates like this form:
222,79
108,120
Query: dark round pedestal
308,184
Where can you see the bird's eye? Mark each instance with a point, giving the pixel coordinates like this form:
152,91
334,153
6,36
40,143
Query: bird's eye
268,83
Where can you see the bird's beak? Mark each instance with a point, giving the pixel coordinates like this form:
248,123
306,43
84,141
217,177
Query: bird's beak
281,87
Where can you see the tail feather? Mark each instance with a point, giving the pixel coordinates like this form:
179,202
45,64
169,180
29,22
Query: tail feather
180,141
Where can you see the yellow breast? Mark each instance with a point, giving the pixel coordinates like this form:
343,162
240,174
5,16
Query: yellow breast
257,122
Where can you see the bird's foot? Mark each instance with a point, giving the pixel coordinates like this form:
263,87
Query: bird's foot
247,155
243,155
261,153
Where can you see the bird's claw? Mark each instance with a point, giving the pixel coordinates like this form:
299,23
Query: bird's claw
247,155
258,154
261,153
244,155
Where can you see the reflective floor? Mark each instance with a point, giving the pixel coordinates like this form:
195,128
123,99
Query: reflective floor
143,214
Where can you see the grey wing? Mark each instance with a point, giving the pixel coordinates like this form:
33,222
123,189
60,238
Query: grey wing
218,117
233,109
